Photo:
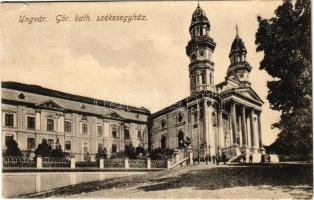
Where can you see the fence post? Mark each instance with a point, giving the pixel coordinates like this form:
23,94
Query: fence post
191,157
101,163
168,164
126,163
177,157
148,163
72,163
39,162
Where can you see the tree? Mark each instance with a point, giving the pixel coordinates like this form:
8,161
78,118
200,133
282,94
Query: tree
43,149
57,152
12,148
285,40
101,153
130,151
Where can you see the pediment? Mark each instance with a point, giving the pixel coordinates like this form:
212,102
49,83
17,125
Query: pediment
250,94
50,105
113,114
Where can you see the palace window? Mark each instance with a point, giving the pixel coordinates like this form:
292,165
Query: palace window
126,134
180,117
67,126
163,123
100,146
9,119
68,145
31,122
114,132
214,119
50,124
85,147
99,130
201,52
139,135
6,139
180,139
84,128
163,142
114,148
31,143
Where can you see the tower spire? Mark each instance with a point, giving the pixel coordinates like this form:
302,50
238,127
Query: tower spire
237,31
198,3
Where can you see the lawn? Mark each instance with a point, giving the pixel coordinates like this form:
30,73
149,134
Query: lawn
284,180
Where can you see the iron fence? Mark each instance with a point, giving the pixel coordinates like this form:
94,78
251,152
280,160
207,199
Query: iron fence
88,164
17,162
114,163
158,164
137,163
55,162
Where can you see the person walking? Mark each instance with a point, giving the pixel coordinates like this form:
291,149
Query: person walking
251,158
268,158
217,159
214,159
224,158
244,158
263,158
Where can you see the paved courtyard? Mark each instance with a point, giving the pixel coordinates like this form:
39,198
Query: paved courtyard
285,180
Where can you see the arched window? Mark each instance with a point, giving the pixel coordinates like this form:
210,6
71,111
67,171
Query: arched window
163,141
180,139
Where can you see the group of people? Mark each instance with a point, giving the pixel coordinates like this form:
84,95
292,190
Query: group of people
216,159
264,158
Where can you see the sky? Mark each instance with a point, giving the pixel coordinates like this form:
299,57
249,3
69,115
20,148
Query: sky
139,63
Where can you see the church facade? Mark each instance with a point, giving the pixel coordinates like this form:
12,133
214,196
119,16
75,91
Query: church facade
216,118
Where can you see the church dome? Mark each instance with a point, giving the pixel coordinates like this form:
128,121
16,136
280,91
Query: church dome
199,15
237,46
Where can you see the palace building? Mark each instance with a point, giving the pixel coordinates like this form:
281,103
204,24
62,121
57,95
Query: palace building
31,113
216,118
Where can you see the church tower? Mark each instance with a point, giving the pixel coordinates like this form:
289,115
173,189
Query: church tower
238,70
200,49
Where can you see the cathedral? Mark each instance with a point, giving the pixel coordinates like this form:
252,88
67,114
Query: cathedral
215,118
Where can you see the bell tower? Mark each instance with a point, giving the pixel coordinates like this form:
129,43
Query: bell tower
239,69
200,49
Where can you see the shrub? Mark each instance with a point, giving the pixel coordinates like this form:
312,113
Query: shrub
12,148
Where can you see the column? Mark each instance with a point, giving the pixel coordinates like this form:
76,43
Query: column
244,133
62,124
240,129
205,126
211,133
252,129
260,140
37,120
233,123
220,130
